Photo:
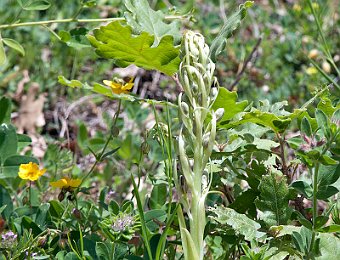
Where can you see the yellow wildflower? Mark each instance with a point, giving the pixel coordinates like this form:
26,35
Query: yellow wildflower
30,171
311,71
119,86
66,183
315,5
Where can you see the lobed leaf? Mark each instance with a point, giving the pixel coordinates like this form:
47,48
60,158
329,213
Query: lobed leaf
115,41
143,19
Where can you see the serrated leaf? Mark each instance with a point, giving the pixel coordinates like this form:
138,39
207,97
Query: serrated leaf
228,100
142,18
115,41
273,200
239,222
14,45
228,28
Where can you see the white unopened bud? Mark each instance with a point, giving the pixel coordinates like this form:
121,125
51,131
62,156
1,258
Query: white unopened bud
219,113
213,93
185,108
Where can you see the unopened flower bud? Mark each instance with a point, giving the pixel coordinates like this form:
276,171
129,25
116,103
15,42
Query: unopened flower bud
42,241
76,213
313,54
61,196
213,93
62,243
326,67
185,108
219,113
206,137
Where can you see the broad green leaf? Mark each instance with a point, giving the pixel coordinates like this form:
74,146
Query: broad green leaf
23,141
239,222
326,192
76,38
273,200
2,53
14,45
143,19
158,196
115,41
8,142
105,250
5,110
282,230
304,188
228,100
228,28
37,5
329,247
326,106
328,175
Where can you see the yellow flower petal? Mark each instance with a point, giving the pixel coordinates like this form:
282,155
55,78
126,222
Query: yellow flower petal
30,171
119,88
65,183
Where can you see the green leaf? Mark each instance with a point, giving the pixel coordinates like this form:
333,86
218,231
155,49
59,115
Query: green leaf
5,199
158,196
115,41
5,110
143,19
14,45
228,100
228,28
273,200
326,160
330,229
321,119
329,247
8,142
105,250
70,83
239,222
328,175
304,188
276,123
306,127
37,5
326,192
2,53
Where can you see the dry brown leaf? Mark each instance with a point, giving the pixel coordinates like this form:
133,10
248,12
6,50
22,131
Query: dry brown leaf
30,113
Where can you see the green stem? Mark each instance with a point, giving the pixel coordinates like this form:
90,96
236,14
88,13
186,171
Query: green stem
315,202
72,20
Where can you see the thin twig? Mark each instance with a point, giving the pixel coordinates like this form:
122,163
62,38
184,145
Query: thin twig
239,75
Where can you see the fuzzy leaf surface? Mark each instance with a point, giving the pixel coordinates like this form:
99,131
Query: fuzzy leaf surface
115,41
273,200
228,28
239,222
142,18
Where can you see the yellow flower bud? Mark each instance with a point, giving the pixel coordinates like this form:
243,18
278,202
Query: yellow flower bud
311,71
